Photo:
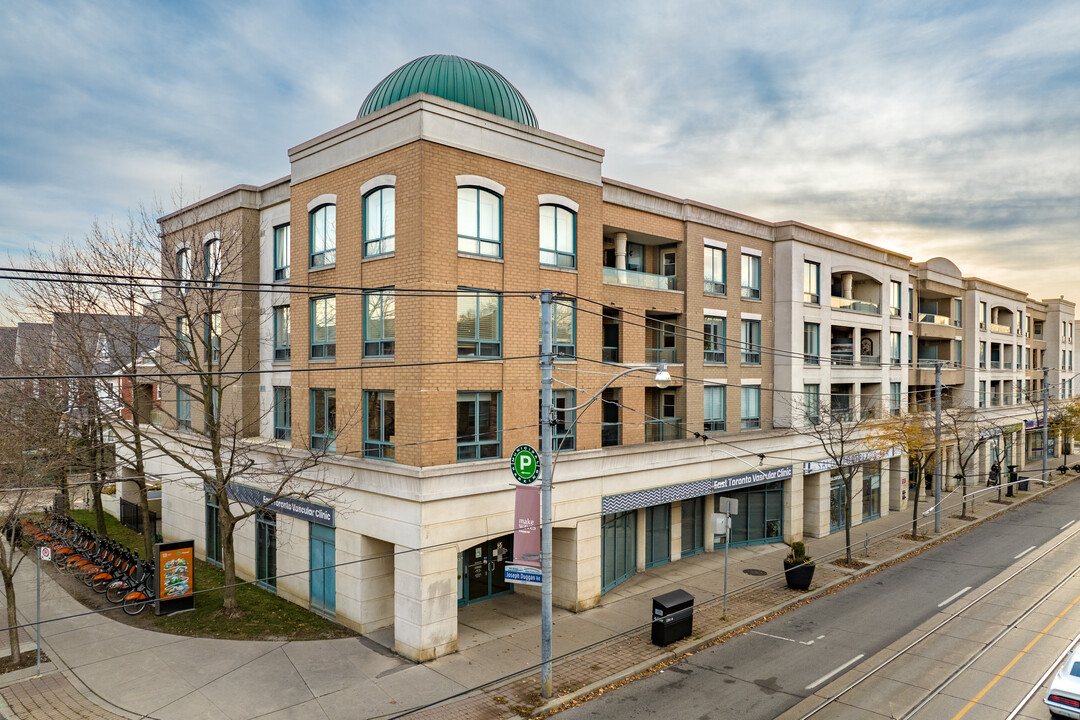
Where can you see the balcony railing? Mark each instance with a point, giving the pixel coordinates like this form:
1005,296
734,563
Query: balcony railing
995,364
634,278
610,353
1037,336
843,358
659,355
750,357
934,319
924,364
661,430
842,303
1003,329
1007,365
753,423
811,360
610,434
716,287
870,360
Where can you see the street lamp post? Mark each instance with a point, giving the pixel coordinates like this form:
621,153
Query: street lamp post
662,380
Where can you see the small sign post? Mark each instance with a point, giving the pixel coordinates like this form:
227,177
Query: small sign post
44,554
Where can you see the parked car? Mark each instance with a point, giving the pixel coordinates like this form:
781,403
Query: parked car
1064,696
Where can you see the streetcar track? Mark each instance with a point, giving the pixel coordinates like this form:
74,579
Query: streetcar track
1029,562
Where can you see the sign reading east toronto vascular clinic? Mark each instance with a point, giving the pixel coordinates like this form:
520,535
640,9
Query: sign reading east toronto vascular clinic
294,507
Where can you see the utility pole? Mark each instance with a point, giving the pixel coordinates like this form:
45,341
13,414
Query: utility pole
937,445
1046,422
545,492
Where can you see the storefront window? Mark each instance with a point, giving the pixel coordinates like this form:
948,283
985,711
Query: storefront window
761,515
871,492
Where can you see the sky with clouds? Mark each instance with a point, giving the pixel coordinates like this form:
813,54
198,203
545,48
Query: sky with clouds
930,128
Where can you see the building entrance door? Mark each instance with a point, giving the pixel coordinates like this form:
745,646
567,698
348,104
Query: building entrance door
838,508
321,579
481,570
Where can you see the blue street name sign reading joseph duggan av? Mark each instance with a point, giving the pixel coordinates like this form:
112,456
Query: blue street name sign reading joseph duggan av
525,464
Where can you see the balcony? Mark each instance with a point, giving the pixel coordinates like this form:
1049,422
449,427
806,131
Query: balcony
610,434
842,303
847,358
870,361
661,430
633,278
995,364
659,355
1003,329
935,319
1007,365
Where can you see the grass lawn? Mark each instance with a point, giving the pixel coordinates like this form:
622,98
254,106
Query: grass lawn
266,616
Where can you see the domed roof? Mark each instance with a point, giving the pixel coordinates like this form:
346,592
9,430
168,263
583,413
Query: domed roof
452,78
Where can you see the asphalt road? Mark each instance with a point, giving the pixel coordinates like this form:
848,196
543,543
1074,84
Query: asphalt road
762,673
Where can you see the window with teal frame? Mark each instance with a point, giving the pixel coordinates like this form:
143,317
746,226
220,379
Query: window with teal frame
479,324
185,347
715,339
478,436
212,261
323,327
212,337
323,235
479,222
715,408
715,270
282,339
562,427
183,407
379,222
281,253
323,419
282,413
379,424
379,323
183,269
563,328
558,236
751,277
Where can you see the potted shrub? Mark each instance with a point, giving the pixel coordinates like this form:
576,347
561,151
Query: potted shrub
798,567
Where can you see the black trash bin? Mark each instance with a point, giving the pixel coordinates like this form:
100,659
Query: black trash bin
1013,477
673,617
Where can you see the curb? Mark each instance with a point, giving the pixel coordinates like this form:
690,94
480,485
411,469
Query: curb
668,657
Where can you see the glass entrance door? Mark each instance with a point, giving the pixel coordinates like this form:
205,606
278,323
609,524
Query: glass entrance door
693,526
483,567
321,559
657,535
760,518
838,508
619,548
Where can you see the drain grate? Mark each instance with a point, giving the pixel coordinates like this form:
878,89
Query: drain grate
755,572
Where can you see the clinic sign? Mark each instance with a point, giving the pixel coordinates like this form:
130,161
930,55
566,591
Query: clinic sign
816,466
294,507
754,477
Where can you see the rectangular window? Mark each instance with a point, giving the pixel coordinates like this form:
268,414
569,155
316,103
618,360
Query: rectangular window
379,424
323,236
184,343
379,222
715,408
212,414
479,324
558,236
324,327
982,393
751,342
266,549
183,407
212,337
812,403
379,324
751,277
894,347
958,313
213,532
982,316
562,428
894,398
564,328
477,426
896,294
716,339
811,343
811,282
750,408
282,340
323,420
281,253
958,353
716,270
479,222
660,345
183,270
282,413
910,303
982,354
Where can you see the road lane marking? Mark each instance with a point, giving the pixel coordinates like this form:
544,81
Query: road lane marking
835,672
1066,525
1024,553
778,637
948,600
975,700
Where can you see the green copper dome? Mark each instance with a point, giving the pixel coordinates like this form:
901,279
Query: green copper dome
452,78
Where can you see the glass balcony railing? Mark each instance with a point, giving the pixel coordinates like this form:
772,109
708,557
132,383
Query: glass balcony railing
843,358
661,430
927,364
1003,329
634,278
659,355
842,303
995,364
1037,336
870,360
934,319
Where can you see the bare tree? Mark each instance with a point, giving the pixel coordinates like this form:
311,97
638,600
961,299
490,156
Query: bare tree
966,429
913,434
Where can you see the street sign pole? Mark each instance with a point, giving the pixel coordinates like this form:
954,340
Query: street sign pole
45,552
545,492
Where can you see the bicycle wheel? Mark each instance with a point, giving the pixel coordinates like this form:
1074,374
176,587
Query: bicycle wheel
116,593
134,606
100,585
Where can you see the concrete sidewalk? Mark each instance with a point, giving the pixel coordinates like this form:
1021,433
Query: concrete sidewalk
128,672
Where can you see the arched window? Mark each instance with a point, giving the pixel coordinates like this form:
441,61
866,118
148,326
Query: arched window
323,235
379,222
212,260
479,222
183,269
558,236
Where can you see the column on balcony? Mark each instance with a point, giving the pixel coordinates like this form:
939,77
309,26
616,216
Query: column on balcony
620,250
847,284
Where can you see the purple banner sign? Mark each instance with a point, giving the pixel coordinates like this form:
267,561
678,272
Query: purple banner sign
527,526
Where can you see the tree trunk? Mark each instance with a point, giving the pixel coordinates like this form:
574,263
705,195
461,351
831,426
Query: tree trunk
963,496
850,481
228,562
99,509
915,504
144,511
12,617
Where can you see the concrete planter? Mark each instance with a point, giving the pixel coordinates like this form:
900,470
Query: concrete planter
798,575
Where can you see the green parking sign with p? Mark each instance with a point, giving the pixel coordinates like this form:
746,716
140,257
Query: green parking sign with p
525,464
